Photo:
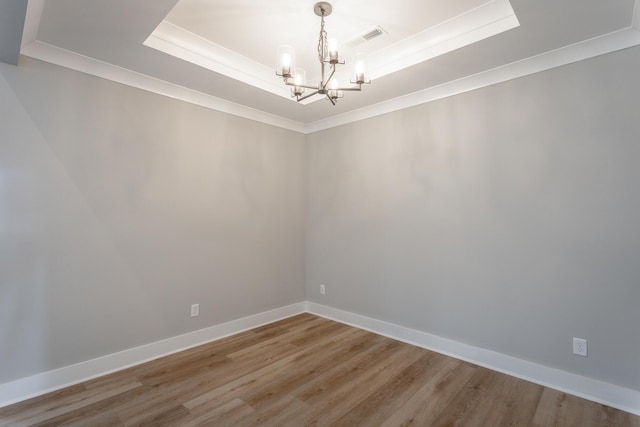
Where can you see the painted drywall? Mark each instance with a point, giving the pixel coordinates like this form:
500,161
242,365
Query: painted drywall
120,208
12,15
505,218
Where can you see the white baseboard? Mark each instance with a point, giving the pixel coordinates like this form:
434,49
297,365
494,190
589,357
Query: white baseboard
598,391
46,382
609,394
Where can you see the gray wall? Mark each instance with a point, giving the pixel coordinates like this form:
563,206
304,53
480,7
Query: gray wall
506,218
120,208
12,15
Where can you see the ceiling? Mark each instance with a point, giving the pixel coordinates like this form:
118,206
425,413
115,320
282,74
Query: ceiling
222,53
197,32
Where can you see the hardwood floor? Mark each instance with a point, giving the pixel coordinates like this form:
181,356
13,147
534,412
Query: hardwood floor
307,370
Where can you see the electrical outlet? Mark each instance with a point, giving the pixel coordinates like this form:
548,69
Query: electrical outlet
322,290
195,310
580,346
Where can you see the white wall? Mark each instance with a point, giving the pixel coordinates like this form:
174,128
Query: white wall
505,218
120,208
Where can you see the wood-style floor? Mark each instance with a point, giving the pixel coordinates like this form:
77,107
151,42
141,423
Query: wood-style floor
306,370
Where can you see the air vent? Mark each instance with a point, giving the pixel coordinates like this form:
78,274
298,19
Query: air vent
367,36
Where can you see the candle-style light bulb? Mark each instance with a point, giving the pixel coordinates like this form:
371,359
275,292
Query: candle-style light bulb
286,61
334,93
299,80
333,51
359,73
360,68
286,64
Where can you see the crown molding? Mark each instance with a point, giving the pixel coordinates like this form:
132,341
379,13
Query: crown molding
601,45
85,64
617,40
490,19
176,41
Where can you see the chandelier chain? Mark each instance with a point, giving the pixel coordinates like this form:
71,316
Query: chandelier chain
322,40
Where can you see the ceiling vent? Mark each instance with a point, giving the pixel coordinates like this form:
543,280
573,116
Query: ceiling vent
372,34
367,36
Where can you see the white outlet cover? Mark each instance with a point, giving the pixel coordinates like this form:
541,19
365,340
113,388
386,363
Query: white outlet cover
580,346
195,310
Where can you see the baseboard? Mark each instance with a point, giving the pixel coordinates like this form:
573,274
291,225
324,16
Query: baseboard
46,382
608,394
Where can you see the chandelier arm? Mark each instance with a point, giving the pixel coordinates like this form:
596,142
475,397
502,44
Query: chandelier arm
322,83
302,98
331,99
351,89
325,83
304,86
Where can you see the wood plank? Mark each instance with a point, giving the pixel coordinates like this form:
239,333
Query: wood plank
557,408
336,401
279,413
55,398
522,403
57,408
437,392
253,378
228,414
309,366
473,400
391,396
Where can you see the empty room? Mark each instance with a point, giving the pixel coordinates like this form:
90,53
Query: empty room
291,213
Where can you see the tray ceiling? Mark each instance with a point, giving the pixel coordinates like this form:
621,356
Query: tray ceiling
239,40
221,53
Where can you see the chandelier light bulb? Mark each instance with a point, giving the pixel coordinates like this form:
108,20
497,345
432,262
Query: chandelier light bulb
286,61
359,73
334,89
299,81
286,64
333,51
360,68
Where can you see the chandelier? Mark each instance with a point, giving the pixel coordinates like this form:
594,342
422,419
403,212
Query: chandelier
329,58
